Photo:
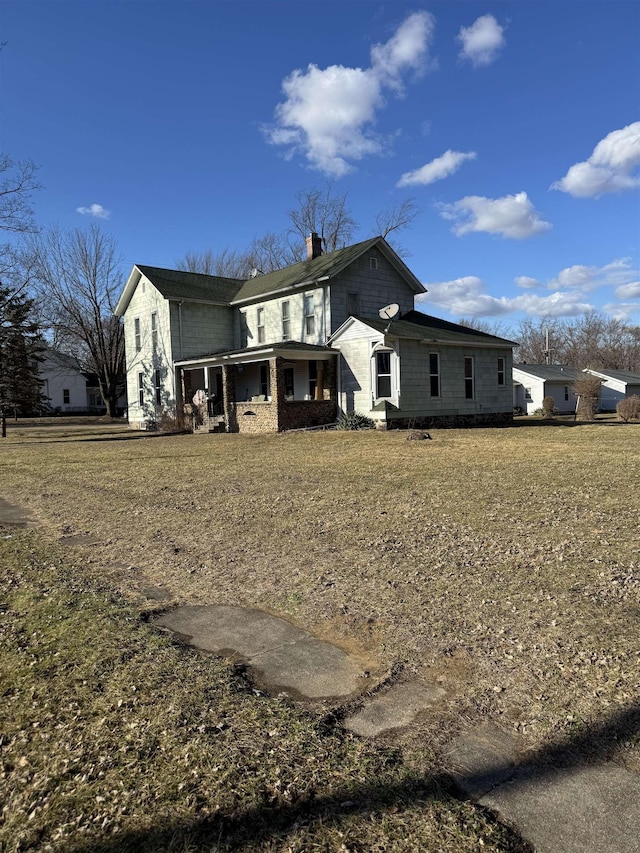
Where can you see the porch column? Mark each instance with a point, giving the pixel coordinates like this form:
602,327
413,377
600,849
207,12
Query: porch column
319,380
330,379
276,382
229,397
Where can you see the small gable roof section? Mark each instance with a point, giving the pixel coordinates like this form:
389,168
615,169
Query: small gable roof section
548,372
180,285
321,269
624,377
414,325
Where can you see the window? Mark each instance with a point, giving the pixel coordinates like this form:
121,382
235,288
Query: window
313,379
373,263
244,331
261,332
309,315
264,380
136,334
141,389
434,374
158,386
566,392
353,304
66,396
500,371
527,394
286,322
383,374
154,331
289,390
469,390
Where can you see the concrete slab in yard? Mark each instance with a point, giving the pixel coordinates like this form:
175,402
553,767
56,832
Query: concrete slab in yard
14,515
481,759
281,656
594,809
398,707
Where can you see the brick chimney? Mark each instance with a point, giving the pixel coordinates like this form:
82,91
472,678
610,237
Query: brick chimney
314,246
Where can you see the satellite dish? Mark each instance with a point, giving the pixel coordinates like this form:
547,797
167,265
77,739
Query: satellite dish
389,312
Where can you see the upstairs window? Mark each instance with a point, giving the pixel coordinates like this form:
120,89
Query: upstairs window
353,304
244,331
261,330
136,334
373,263
434,374
309,315
469,379
286,322
154,331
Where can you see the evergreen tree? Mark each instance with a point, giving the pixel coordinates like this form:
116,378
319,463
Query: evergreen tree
21,347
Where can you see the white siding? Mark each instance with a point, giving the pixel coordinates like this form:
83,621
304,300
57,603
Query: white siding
297,321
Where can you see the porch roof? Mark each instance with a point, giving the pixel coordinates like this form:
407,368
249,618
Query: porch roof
291,350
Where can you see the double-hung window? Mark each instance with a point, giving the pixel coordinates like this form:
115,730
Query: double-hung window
261,329
136,334
309,315
264,380
313,379
434,374
158,387
469,379
383,374
501,372
154,331
66,396
286,322
141,389
353,304
289,383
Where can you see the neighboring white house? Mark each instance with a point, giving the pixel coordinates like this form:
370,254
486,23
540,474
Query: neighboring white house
67,388
533,382
294,347
616,385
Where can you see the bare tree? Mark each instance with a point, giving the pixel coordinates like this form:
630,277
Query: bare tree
274,251
78,282
532,335
227,263
325,214
489,327
17,184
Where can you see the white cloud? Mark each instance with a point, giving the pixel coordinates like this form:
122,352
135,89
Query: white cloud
526,282
437,169
481,41
512,216
611,168
96,210
328,113
584,278
623,311
467,297
628,291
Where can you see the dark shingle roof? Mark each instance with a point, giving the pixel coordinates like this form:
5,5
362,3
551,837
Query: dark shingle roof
179,284
621,375
550,372
323,267
416,325
280,346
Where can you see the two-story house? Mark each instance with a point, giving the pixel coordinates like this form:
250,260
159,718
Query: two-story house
293,347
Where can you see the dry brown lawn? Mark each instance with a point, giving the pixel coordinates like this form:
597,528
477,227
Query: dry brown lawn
501,563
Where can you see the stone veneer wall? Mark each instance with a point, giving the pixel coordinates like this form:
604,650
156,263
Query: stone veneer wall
451,421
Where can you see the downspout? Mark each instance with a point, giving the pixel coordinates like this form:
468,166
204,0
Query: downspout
180,328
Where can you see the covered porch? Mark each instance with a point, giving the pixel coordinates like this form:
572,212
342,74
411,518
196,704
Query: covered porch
270,388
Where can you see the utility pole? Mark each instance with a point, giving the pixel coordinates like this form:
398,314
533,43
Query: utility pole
547,351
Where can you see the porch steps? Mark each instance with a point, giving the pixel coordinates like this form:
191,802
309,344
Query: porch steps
213,424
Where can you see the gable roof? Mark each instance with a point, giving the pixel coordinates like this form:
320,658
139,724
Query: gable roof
415,325
625,376
180,284
549,372
322,268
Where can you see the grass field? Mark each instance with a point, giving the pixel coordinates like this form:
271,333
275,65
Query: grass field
502,564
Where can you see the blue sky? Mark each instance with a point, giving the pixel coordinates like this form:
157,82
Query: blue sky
181,126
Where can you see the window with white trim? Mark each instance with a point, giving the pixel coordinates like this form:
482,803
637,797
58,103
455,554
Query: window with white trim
154,331
66,396
501,370
244,330
309,314
383,374
261,330
313,379
136,334
289,379
141,389
527,394
158,387
373,263
469,378
286,322
434,374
